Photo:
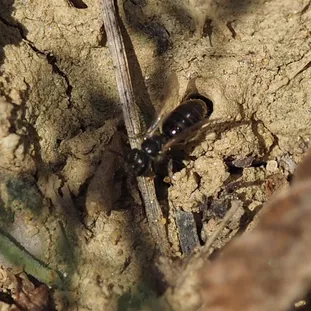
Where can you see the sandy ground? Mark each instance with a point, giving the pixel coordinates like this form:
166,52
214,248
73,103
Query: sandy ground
63,195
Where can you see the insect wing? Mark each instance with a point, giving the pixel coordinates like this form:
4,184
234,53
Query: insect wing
189,134
169,101
192,132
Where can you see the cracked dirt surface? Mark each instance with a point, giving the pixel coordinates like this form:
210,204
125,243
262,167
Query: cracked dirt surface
60,118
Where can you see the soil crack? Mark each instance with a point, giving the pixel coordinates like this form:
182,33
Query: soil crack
50,57
52,60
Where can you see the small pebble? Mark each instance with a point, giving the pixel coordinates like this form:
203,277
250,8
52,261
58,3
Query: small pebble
272,166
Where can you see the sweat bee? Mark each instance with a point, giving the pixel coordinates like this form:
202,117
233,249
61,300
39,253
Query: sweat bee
174,127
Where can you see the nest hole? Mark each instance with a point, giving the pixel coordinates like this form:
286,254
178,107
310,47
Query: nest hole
208,102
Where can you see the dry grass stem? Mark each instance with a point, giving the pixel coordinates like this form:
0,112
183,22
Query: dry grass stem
131,118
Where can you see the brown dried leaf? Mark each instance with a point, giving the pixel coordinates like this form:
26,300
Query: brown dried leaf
270,267
303,171
266,269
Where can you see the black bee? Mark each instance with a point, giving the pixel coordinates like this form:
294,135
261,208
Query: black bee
179,125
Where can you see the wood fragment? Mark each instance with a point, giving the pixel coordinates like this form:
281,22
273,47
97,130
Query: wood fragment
187,230
132,119
184,280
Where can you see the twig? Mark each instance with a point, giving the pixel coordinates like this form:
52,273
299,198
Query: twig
131,118
235,205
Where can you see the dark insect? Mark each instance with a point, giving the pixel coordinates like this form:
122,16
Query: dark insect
178,126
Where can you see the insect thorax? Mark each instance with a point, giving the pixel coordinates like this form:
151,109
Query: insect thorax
153,145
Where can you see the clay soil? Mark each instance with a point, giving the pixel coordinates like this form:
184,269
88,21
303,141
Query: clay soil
70,201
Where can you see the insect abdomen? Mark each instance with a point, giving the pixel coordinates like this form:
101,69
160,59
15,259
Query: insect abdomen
184,116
